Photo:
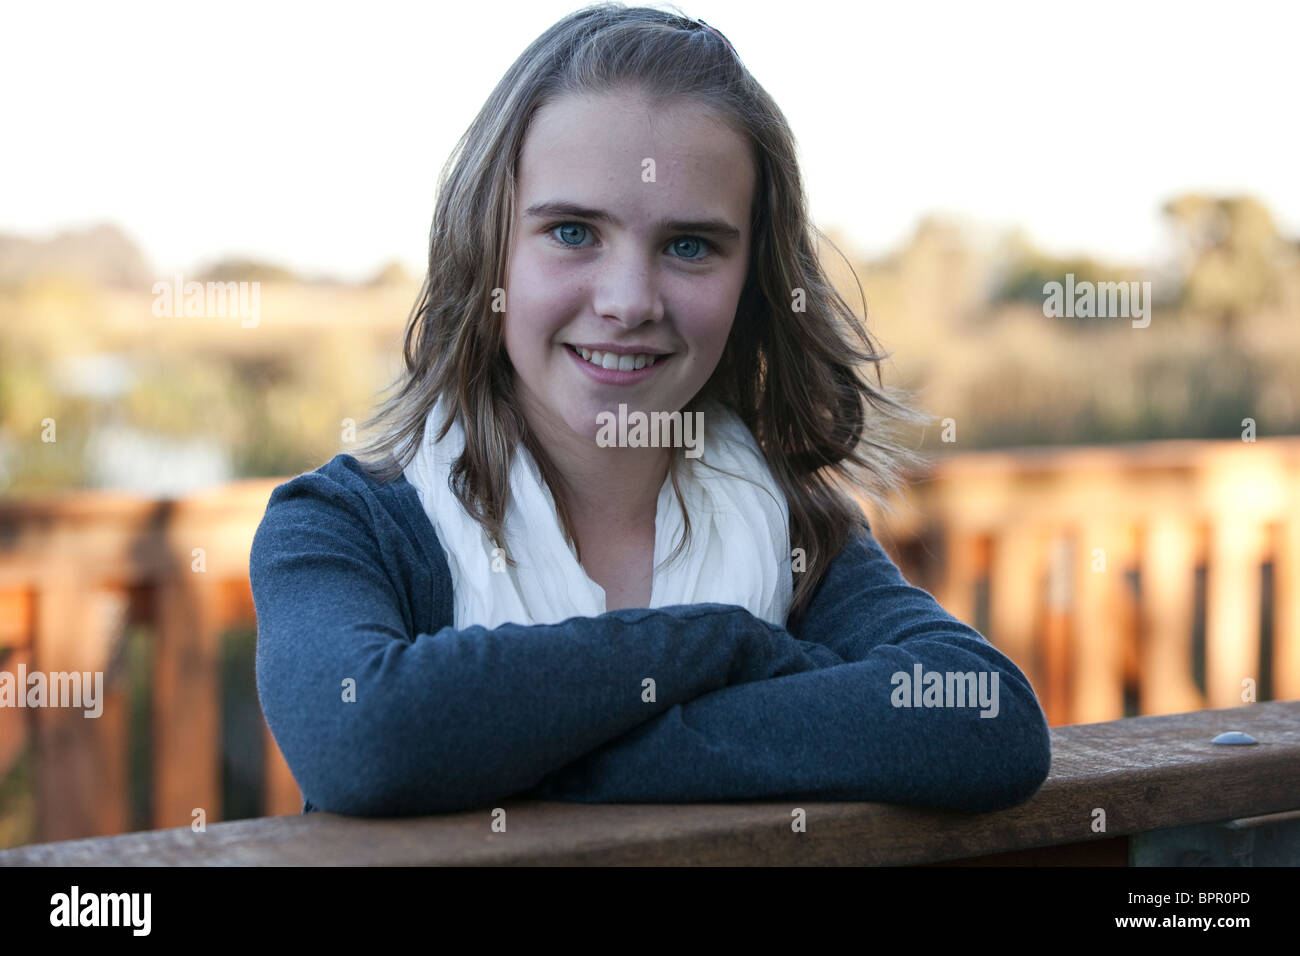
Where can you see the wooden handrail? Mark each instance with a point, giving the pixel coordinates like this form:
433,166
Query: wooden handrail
1144,773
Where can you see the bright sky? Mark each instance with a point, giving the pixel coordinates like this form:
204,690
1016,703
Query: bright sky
312,133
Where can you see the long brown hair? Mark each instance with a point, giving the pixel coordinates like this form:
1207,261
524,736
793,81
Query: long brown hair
794,369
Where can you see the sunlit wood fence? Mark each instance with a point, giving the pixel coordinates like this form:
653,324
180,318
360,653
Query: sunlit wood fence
1150,578
1138,579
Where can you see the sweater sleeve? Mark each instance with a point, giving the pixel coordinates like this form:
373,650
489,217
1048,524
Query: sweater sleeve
857,731
375,720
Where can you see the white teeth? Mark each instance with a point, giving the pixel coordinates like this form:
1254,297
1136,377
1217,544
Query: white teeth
623,363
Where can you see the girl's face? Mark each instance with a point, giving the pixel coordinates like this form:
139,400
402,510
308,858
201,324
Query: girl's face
632,232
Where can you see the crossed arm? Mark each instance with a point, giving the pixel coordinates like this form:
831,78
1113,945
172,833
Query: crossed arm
843,731
373,721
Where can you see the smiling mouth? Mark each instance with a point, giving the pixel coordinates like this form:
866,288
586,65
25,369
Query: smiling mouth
614,361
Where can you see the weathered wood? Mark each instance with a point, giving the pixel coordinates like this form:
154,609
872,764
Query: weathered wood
1099,852
1146,773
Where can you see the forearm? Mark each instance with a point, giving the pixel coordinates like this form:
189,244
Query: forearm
834,734
375,716
460,718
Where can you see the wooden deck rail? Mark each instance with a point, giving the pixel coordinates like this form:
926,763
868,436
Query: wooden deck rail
1081,563
1142,776
1086,562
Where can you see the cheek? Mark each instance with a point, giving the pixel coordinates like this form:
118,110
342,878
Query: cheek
538,298
710,332
521,315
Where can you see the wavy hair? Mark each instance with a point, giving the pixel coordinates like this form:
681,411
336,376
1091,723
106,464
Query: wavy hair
797,379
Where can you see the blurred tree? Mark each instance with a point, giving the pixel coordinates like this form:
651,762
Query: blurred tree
1025,270
393,273
245,270
100,254
1233,259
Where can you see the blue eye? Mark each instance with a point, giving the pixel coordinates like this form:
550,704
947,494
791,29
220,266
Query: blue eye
569,225
690,241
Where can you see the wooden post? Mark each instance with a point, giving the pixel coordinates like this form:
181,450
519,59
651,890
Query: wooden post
961,568
1168,556
1015,596
1101,625
282,794
80,760
1057,626
1286,605
17,622
1232,608
186,730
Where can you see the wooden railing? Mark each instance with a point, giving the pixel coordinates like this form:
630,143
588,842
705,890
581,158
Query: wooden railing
1146,791
76,572
1081,564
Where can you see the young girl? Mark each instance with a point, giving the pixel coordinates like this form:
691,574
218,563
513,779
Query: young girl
521,588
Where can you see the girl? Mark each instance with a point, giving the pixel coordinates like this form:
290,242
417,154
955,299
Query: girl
522,589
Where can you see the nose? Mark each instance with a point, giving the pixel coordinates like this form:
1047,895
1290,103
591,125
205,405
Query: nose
627,289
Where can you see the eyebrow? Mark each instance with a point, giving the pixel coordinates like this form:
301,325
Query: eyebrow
718,228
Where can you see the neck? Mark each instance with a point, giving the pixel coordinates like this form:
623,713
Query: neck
606,490
614,489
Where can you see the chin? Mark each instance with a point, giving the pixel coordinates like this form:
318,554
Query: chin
583,421
579,420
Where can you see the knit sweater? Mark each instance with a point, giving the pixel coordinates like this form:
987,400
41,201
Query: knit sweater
382,708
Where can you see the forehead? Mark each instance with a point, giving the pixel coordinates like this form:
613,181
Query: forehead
592,149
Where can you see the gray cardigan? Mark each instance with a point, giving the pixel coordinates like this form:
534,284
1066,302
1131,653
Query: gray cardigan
381,707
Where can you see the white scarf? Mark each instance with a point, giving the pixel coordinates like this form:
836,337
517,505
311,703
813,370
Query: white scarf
738,553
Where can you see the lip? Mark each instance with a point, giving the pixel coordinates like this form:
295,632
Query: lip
613,376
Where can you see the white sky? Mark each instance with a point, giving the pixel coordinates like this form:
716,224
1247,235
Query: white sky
312,133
